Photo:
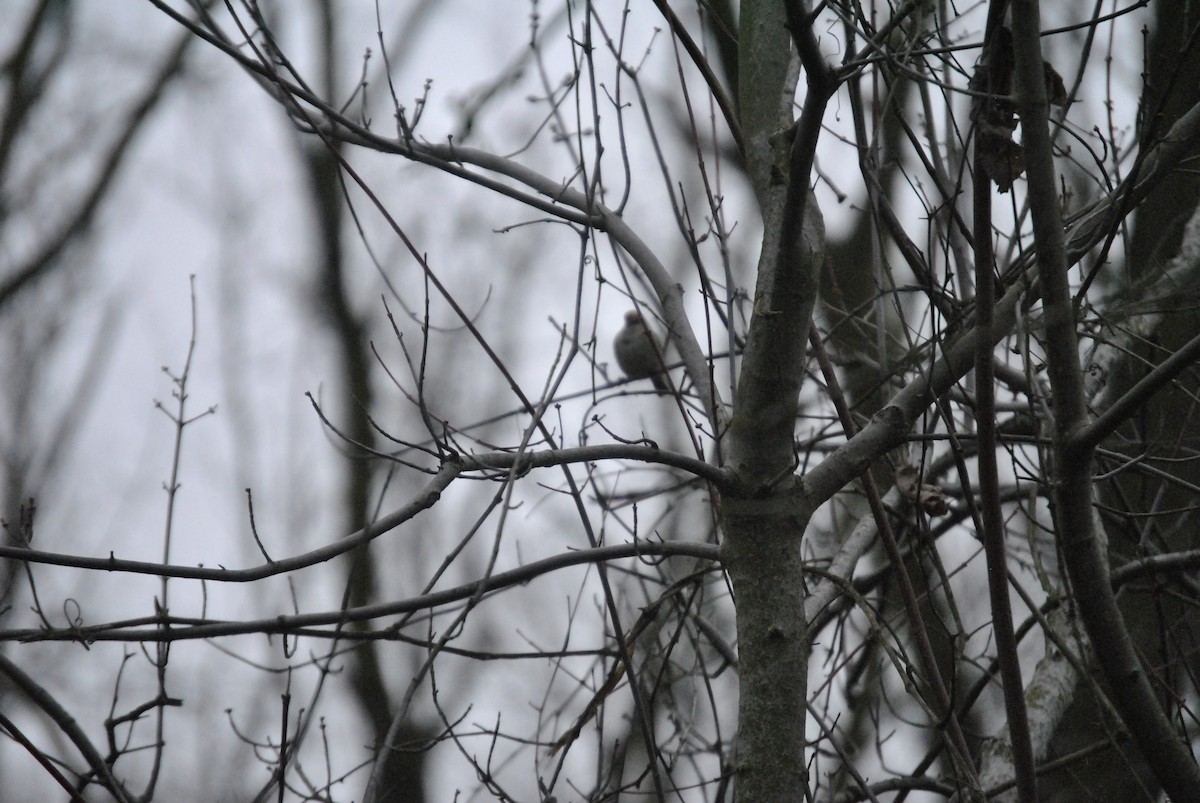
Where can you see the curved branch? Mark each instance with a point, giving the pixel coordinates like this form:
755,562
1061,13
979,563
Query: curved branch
423,501
185,629
585,454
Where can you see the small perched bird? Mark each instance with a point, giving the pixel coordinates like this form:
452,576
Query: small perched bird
639,353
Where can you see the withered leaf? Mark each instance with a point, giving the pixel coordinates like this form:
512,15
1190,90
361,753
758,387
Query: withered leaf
1002,159
1056,92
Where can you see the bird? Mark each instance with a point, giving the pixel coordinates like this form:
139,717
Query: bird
639,353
